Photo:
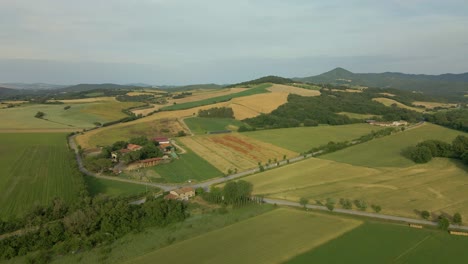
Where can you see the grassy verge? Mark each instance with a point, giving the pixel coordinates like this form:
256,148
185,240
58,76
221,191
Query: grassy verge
114,188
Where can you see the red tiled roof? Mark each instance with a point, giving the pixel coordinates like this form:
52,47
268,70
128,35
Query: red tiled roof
160,139
133,147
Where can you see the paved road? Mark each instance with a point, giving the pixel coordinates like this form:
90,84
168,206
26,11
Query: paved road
361,213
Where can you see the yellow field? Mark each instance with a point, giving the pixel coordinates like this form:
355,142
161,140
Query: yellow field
389,102
387,94
230,151
279,88
243,107
140,93
438,186
197,95
273,237
347,90
431,105
158,127
87,100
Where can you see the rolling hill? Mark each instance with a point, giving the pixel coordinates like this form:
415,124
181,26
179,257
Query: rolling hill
448,85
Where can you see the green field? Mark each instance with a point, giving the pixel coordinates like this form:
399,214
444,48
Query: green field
82,115
115,188
189,166
387,243
262,88
301,139
35,168
358,116
269,238
200,125
386,151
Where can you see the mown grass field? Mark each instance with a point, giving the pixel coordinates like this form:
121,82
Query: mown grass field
255,90
390,102
377,173
189,166
235,151
431,105
35,168
294,90
272,237
386,151
80,115
300,139
201,125
387,243
111,188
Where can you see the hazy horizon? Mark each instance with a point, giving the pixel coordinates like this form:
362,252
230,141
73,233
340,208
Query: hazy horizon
179,42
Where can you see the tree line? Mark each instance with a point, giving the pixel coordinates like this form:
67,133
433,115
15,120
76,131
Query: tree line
236,193
217,112
424,151
324,109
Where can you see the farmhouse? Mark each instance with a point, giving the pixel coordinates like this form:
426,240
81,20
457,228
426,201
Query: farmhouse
388,124
181,194
134,147
162,140
153,161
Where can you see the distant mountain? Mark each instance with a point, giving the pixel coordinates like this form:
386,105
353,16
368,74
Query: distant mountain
450,85
266,79
4,92
104,86
32,86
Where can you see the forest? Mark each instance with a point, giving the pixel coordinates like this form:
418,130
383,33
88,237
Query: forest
324,109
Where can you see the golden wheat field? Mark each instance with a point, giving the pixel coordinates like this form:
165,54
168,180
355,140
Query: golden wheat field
389,102
279,88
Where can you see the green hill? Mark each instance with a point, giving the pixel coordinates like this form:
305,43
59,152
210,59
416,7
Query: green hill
448,85
266,79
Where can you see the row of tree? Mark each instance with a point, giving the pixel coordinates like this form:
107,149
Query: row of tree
455,119
94,222
235,193
219,112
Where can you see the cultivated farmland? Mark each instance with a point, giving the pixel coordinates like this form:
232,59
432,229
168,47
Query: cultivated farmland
282,234
389,102
35,168
255,90
231,151
358,116
111,188
431,105
386,151
388,243
436,186
201,125
78,116
280,88
188,167
300,139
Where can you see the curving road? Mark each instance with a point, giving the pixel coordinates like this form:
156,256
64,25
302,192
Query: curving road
206,184
362,213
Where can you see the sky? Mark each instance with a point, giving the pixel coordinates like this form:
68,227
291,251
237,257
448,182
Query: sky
217,41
